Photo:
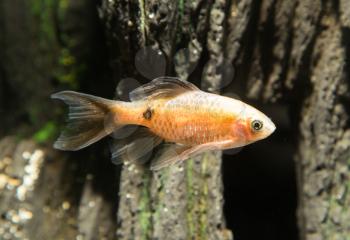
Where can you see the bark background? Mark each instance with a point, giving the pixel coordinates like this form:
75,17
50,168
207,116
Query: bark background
288,58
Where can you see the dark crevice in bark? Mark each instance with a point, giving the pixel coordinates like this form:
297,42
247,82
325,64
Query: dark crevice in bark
345,99
266,42
249,41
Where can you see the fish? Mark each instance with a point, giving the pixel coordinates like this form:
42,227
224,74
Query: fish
169,113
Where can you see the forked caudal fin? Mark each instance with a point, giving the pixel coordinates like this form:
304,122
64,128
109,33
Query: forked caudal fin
90,119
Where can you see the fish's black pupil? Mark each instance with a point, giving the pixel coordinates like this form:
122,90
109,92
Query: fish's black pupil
257,125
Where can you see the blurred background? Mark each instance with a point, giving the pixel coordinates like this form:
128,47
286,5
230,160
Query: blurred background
288,59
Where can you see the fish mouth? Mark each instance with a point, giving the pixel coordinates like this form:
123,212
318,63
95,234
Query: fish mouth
271,127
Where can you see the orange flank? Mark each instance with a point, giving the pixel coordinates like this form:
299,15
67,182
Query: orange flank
167,110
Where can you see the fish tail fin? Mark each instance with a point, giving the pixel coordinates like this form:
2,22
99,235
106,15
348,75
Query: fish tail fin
90,118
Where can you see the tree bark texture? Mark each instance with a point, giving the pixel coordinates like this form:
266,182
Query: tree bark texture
323,154
183,201
291,53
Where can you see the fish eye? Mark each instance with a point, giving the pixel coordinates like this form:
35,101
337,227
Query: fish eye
256,125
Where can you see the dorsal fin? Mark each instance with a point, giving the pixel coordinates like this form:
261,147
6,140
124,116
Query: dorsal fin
162,87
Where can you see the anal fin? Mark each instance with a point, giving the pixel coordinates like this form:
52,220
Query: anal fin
136,147
174,153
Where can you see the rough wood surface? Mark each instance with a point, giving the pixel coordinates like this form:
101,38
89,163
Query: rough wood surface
290,52
183,201
323,158
303,63
294,53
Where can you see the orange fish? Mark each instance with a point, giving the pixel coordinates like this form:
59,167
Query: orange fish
187,120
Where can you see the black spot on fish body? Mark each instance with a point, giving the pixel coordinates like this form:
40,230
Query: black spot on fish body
148,113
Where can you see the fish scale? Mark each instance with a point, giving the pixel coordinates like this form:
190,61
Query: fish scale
190,119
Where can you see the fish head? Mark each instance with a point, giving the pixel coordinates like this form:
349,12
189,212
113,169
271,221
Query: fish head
258,125
251,125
